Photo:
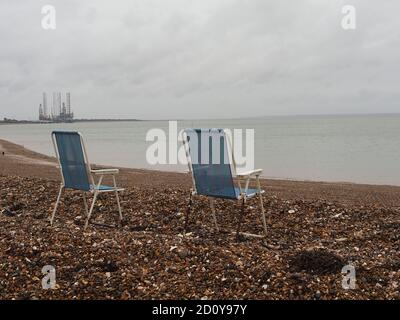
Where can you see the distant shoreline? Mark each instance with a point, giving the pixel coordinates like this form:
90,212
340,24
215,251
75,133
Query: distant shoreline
10,121
274,116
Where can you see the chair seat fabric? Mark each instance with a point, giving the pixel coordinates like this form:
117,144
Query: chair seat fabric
102,188
222,193
249,192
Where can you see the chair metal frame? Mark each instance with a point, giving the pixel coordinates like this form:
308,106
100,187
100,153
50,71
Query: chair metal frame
95,188
241,178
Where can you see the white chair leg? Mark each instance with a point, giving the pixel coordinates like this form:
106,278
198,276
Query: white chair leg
91,209
262,206
263,214
119,204
85,203
213,213
57,203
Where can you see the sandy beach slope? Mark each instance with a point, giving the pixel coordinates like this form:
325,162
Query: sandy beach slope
26,163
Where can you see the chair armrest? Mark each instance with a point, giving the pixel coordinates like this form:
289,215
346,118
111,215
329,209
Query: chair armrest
105,171
255,172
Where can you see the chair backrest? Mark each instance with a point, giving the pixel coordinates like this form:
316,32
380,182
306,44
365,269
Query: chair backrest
209,162
70,152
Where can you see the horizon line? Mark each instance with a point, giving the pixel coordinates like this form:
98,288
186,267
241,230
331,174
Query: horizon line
216,118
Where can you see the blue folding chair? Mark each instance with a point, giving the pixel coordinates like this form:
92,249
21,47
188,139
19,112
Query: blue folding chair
212,165
76,172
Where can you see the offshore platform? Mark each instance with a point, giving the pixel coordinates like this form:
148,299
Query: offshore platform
60,110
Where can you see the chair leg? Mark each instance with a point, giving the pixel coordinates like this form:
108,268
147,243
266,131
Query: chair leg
57,203
212,204
262,207
91,209
85,203
264,222
119,204
188,209
240,219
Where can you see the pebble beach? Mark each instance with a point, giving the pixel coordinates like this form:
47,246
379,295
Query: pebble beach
314,230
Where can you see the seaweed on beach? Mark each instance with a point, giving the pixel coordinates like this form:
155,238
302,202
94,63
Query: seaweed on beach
317,261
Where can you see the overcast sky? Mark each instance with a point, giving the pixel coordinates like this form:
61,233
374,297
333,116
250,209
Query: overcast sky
174,59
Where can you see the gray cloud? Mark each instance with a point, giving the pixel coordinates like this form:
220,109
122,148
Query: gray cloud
191,58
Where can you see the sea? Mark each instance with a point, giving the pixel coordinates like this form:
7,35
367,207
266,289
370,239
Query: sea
340,148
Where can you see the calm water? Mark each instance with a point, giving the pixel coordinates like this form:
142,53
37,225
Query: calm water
364,149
